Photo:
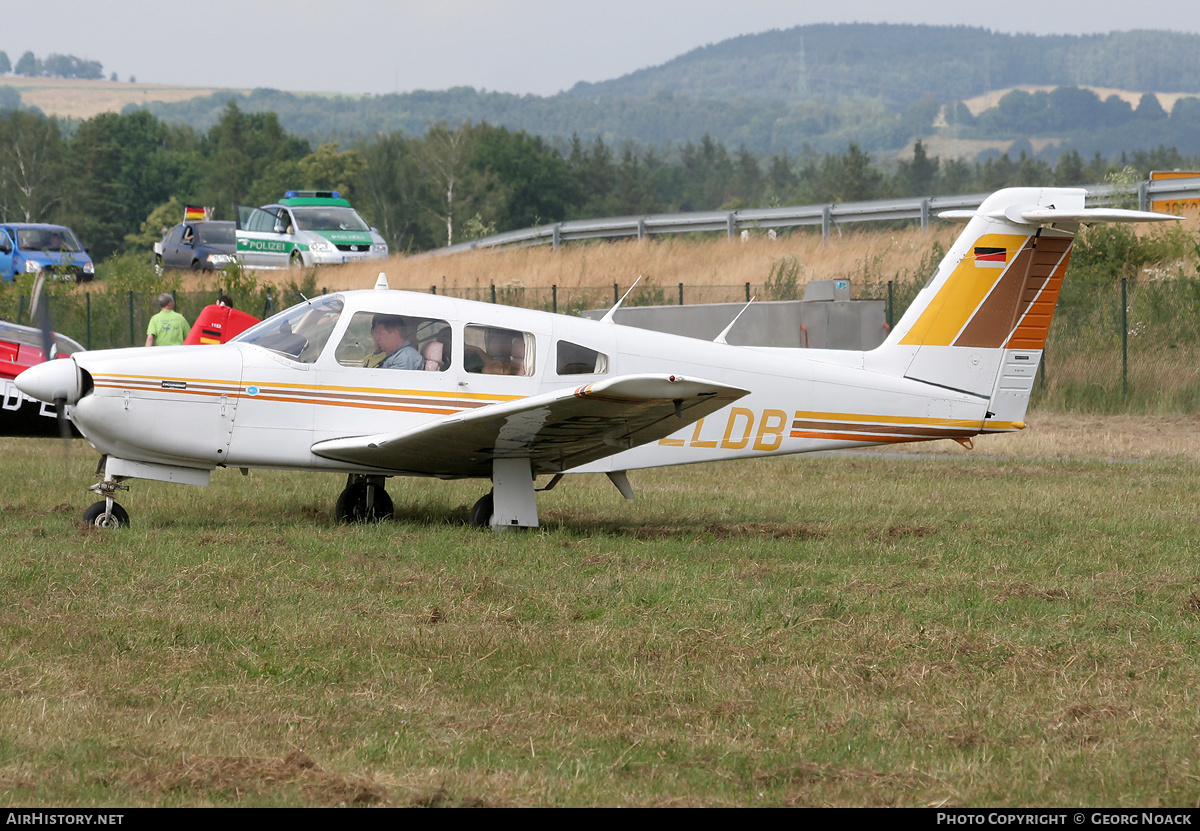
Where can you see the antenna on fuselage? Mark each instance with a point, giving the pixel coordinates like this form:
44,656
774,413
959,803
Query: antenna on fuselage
381,282
608,317
721,337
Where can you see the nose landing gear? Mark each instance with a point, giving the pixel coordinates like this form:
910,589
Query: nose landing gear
106,513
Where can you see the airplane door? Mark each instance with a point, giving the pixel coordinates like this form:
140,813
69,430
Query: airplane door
275,413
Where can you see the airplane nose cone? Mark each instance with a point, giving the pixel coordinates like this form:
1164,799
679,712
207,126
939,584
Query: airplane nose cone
51,381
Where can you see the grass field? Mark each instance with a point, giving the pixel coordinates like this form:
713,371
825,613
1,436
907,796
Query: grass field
80,98
1014,626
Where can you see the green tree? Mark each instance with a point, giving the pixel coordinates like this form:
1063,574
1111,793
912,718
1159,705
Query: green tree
916,178
120,168
391,183
781,179
1032,172
529,175
917,119
594,179
856,180
747,182
455,188
331,168
957,177
28,65
5,66
1149,108
707,174
153,227
998,173
1070,171
327,168
31,166
239,150
635,184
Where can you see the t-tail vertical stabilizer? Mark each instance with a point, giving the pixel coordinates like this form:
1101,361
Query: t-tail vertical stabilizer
981,323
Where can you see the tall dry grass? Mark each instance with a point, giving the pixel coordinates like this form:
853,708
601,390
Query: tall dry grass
858,253
863,254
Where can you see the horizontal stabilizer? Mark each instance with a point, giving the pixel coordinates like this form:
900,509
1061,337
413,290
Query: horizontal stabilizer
556,431
1049,215
1044,216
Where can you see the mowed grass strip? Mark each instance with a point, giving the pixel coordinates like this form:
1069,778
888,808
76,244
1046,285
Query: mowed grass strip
867,630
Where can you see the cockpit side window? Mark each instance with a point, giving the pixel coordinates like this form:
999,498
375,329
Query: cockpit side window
573,359
489,350
390,341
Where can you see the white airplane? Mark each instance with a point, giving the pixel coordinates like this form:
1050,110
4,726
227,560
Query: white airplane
513,394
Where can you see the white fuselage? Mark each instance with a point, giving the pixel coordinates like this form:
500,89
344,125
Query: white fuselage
242,405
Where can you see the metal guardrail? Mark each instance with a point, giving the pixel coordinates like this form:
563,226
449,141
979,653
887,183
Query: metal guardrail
827,215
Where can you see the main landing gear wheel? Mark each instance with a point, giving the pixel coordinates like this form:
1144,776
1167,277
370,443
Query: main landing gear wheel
100,516
363,501
482,511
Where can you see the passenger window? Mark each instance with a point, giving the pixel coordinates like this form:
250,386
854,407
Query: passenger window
573,359
489,350
395,342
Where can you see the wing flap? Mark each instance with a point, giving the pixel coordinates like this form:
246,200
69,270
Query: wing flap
556,431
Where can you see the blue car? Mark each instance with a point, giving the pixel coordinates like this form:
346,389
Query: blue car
33,247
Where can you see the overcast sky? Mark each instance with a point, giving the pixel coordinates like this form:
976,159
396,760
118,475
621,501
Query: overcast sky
521,46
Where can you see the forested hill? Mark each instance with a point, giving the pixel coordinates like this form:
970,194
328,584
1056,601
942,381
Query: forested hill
901,63
820,87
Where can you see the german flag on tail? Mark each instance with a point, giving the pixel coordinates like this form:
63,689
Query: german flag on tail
990,257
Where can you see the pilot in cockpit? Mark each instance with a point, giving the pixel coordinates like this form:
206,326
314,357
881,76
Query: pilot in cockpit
392,347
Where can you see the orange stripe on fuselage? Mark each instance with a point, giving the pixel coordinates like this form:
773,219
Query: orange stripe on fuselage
431,402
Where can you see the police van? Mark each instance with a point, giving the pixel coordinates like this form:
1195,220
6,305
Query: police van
303,229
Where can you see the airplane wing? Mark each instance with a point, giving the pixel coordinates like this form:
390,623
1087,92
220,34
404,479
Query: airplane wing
556,431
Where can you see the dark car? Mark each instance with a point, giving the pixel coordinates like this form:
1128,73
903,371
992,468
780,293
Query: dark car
199,246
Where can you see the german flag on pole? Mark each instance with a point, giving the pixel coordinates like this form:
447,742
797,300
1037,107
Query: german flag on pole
990,257
191,213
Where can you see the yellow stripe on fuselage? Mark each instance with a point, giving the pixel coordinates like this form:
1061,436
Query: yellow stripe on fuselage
853,420
114,380
434,402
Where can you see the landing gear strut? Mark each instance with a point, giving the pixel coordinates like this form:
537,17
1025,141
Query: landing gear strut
512,501
363,500
106,513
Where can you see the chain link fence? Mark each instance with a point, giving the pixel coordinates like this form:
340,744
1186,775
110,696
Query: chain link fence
1118,346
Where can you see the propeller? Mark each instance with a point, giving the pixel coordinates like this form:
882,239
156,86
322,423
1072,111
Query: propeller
41,312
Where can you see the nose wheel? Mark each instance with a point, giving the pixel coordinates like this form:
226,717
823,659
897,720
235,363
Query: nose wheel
106,514
363,500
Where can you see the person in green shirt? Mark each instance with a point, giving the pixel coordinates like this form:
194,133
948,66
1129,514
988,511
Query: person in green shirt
168,327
